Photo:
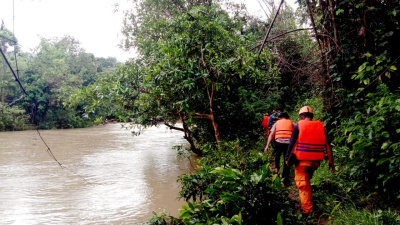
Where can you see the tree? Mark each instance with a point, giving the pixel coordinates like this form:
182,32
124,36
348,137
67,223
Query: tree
359,57
6,86
57,69
197,66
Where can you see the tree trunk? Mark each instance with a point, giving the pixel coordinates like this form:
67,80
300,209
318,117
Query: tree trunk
210,94
188,135
215,125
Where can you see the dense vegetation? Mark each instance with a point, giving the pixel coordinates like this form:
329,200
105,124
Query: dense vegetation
50,75
200,64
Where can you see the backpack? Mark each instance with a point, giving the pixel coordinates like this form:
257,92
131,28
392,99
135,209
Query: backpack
274,119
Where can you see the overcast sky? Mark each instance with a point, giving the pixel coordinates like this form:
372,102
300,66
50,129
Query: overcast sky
93,22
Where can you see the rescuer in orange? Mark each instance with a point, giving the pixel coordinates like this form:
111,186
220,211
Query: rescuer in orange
281,131
307,143
264,124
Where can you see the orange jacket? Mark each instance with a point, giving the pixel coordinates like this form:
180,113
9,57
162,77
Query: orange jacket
283,128
311,142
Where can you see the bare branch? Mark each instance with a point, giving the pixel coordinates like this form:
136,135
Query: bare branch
288,32
269,28
202,116
173,127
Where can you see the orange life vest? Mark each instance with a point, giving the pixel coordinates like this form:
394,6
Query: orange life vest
283,129
311,142
264,123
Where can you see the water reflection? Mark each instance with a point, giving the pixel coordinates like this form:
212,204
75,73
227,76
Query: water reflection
110,177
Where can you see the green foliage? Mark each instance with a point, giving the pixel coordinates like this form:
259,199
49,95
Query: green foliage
109,97
351,215
163,219
12,118
199,70
358,82
233,187
328,192
313,101
57,69
369,143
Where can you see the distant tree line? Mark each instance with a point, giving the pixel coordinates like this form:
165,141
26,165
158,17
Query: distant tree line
50,74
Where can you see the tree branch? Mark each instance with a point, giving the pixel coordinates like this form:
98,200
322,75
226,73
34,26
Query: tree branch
202,116
280,35
269,28
173,128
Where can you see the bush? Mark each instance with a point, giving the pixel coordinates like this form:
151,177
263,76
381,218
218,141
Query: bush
233,187
368,146
351,215
12,118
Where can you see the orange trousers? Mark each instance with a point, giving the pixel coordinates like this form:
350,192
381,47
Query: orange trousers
304,171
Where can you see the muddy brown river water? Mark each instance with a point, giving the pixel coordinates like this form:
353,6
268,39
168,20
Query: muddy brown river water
109,175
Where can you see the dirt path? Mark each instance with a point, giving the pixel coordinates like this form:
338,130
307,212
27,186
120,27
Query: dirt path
316,217
293,196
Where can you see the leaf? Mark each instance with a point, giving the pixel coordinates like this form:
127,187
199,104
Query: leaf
185,215
393,68
255,178
389,34
362,67
369,68
237,218
190,205
367,55
264,170
279,219
382,161
274,177
349,139
334,209
384,146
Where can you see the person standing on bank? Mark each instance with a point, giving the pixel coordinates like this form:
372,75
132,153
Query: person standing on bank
307,143
281,131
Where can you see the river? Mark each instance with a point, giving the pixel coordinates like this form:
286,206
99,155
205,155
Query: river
108,176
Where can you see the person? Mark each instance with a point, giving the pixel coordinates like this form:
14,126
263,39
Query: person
272,120
264,124
274,117
281,132
307,143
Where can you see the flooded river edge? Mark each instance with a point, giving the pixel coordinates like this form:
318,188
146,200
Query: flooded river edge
107,175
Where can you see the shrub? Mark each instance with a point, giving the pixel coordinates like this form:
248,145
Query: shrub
233,187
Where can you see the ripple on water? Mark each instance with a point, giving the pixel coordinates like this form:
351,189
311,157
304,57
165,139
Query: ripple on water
109,176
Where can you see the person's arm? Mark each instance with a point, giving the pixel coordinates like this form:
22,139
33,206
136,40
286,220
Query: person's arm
271,136
293,139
